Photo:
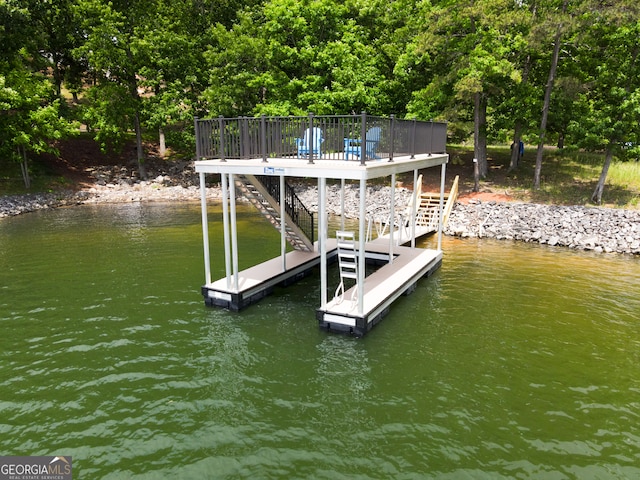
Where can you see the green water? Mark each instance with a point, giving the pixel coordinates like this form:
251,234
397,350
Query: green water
512,361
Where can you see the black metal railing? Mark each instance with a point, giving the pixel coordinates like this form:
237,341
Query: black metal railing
317,137
299,213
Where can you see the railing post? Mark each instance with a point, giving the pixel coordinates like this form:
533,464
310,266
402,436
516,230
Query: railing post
431,141
363,138
413,139
263,138
392,136
243,135
221,127
310,139
195,127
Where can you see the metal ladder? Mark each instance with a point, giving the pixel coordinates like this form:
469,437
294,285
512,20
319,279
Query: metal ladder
348,264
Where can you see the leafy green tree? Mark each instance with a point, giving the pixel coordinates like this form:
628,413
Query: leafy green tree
31,117
324,56
116,50
471,45
176,74
562,20
30,111
613,86
57,25
147,60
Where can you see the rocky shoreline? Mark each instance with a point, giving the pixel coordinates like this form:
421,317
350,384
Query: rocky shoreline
584,228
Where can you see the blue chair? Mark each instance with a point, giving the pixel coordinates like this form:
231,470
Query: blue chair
352,146
303,143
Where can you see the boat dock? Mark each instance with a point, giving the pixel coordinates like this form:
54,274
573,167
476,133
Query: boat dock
254,283
383,148
381,288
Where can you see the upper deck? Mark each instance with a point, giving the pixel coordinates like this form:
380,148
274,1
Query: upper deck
356,147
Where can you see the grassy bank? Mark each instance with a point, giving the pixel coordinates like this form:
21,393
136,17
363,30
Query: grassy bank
568,178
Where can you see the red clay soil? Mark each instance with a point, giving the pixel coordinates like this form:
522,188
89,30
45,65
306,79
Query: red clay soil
77,156
484,197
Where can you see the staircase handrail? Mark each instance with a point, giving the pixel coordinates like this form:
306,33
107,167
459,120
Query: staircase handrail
294,207
451,200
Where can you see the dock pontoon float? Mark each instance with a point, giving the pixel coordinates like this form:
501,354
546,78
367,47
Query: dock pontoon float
258,157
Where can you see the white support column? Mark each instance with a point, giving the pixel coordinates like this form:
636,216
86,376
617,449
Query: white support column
205,229
414,208
361,253
234,231
225,223
441,220
342,187
392,216
283,229
322,239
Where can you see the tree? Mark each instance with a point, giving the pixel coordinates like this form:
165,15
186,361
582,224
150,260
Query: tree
30,111
613,86
323,56
176,74
116,50
472,45
557,43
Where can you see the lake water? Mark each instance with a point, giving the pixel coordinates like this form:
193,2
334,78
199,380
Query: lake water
512,361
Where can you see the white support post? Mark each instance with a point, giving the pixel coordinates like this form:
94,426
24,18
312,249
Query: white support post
234,231
361,252
392,216
322,238
283,229
342,186
441,220
205,229
225,223
414,208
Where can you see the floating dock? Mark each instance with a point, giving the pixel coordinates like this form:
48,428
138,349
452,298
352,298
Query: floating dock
381,288
253,284
364,295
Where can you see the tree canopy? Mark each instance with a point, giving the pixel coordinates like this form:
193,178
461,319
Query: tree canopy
561,71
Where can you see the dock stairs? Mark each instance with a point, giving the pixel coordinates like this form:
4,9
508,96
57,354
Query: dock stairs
427,213
263,192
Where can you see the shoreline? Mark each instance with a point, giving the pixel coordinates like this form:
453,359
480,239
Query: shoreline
598,229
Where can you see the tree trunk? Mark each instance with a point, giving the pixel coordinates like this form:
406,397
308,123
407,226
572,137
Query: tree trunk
24,167
163,145
57,74
140,152
547,102
480,133
597,193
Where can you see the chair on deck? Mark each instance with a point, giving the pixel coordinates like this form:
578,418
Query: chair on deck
352,146
310,143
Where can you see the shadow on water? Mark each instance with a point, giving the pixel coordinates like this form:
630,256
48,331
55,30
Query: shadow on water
511,361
